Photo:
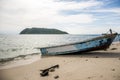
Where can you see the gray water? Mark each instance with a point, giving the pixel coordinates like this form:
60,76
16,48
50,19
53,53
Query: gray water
16,46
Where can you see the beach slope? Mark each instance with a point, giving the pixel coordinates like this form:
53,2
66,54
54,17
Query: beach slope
98,65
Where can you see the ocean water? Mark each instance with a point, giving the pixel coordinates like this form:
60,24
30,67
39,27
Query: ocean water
14,47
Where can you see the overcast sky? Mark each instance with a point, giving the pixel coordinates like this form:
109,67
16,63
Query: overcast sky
73,16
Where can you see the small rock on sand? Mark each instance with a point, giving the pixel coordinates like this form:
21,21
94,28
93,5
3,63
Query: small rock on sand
56,77
119,58
113,48
89,77
113,69
96,57
101,76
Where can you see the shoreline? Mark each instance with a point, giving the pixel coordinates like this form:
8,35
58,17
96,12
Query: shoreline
37,57
20,62
97,65
14,63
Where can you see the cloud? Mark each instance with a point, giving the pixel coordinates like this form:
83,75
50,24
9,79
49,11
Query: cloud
111,10
41,12
19,14
78,5
90,29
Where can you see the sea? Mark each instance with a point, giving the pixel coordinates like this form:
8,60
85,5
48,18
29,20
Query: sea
24,48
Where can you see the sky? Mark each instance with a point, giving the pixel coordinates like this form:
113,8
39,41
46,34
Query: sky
73,16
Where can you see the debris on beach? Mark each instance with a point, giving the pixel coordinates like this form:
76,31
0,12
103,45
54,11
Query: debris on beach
96,57
113,69
56,77
45,72
119,58
101,76
52,70
89,77
113,48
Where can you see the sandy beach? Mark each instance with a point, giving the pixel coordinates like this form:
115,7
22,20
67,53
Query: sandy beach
98,65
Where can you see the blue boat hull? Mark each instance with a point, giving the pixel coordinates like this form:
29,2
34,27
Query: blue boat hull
98,43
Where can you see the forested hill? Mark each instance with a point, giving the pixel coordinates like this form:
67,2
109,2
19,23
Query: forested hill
42,31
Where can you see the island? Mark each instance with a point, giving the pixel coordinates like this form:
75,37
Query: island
42,31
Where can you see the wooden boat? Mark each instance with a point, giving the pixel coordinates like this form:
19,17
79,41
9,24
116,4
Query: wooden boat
99,43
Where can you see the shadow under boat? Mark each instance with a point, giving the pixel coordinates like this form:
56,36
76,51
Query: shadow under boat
92,54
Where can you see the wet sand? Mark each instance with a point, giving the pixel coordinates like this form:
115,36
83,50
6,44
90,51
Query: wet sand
98,65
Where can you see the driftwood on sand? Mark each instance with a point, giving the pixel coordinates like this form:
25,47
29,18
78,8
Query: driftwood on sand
45,72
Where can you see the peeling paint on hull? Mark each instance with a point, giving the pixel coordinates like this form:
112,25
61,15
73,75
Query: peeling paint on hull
98,43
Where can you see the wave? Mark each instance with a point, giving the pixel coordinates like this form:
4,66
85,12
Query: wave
17,57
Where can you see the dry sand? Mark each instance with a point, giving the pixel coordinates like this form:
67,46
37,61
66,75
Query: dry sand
99,65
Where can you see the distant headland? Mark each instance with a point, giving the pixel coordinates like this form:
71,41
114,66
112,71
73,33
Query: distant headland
42,31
